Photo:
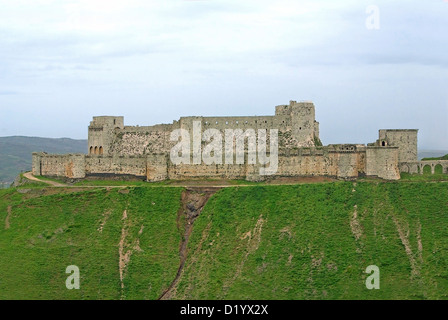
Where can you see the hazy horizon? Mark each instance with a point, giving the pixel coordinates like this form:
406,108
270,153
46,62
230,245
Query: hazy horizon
63,62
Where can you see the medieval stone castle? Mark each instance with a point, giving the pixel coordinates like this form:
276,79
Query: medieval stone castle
116,150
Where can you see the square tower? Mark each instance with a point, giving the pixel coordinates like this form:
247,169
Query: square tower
101,133
304,124
404,139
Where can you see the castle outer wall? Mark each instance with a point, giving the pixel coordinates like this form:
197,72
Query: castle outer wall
116,150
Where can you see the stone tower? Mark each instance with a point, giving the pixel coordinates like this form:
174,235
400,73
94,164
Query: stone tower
304,127
404,139
101,134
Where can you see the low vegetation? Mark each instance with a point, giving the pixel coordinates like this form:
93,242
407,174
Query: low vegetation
307,241
315,242
445,157
105,233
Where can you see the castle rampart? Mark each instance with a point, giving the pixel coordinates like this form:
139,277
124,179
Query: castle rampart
144,151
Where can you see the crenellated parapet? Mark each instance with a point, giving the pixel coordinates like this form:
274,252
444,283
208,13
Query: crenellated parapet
116,150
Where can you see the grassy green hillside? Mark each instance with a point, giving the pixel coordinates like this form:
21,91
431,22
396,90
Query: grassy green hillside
315,241
15,153
429,154
310,241
445,157
90,229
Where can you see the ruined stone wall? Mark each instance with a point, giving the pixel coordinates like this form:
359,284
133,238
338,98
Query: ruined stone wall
347,164
409,167
191,171
118,165
130,142
361,159
341,161
157,167
144,151
382,162
316,132
36,163
307,162
295,123
314,161
244,125
151,140
69,165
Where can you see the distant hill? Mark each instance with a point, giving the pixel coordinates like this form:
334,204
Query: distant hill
431,154
15,153
445,157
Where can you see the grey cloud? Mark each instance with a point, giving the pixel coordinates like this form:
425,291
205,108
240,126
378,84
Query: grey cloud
7,92
322,56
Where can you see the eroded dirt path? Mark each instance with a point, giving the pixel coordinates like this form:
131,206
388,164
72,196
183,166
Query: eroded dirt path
193,201
8,216
29,176
355,224
195,183
253,242
126,248
415,260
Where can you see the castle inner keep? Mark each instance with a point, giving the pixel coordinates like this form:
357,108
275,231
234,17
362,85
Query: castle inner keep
116,150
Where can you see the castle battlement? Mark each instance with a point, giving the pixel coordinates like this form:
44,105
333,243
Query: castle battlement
144,151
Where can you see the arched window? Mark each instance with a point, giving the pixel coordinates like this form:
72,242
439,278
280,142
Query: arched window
383,143
101,150
96,150
91,150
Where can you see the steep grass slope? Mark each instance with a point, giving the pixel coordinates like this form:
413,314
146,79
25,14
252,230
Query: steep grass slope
125,244
315,242
311,241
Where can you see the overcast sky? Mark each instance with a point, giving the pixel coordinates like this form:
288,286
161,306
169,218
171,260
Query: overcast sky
62,62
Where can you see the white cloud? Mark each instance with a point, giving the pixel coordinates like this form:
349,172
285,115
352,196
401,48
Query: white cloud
217,57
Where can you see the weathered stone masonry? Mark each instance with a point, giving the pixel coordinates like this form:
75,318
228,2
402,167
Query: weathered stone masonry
117,150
